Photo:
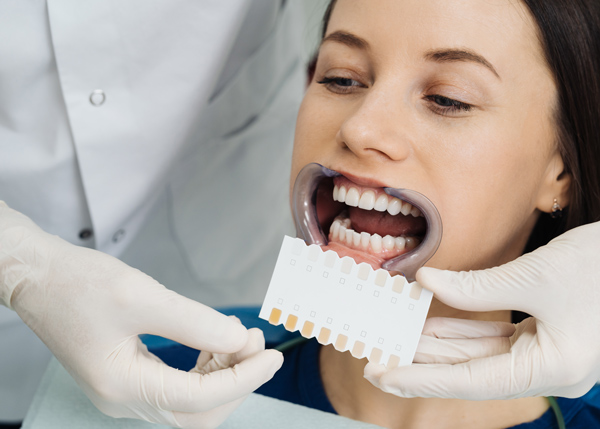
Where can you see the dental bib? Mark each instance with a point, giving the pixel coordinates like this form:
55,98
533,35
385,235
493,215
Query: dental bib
368,312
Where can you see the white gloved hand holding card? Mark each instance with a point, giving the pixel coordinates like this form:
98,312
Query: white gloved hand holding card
89,308
554,353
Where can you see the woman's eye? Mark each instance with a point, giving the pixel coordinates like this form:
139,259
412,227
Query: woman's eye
445,106
340,85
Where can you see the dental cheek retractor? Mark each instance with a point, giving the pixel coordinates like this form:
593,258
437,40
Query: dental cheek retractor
351,306
309,229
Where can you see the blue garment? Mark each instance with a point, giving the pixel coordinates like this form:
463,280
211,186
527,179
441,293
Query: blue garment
299,381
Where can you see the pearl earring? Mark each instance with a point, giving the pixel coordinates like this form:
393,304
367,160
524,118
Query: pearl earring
556,210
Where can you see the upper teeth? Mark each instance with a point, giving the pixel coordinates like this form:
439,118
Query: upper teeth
368,201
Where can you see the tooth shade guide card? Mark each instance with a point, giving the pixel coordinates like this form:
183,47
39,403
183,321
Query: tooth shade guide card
368,313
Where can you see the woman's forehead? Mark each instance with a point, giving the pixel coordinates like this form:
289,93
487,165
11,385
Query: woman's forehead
501,31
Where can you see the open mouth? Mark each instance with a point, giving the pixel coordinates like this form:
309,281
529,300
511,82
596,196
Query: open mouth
368,225
394,229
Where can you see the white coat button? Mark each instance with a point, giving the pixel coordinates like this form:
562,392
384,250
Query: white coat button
97,97
118,236
86,233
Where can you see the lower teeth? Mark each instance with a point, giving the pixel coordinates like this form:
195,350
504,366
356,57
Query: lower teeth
340,231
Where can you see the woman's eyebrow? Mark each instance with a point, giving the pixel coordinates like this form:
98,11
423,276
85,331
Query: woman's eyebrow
454,55
347,39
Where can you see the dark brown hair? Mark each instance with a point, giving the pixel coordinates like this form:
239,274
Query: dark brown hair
569,32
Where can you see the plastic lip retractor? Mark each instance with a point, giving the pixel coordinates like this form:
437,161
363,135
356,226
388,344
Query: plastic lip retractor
309,229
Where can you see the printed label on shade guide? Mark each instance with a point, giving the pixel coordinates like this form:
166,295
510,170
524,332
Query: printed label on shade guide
349,305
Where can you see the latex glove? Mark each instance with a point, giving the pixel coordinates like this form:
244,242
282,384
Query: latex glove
89,308
212,363
554,353
450,341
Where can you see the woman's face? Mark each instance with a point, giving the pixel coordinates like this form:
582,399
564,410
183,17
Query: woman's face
451,99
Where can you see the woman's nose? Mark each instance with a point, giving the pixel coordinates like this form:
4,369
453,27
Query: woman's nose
378,127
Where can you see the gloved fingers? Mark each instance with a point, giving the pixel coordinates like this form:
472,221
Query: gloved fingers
254,345
512,286
192,392
188,322
208,419
134,393
204,359
209,362
480,379
433,350
235,319
149,378
448,327
451,351
373,372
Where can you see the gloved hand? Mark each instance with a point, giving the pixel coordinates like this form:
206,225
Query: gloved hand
554,353
89,308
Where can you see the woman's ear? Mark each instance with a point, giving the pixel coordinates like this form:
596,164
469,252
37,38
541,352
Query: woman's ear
556,184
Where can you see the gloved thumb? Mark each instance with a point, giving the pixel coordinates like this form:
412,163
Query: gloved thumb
508,287
537,283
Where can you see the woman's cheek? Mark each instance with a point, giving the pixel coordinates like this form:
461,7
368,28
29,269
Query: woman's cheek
312,129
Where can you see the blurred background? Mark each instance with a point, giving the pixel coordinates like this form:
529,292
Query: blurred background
313,14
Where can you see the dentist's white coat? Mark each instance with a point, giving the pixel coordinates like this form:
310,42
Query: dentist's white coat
181,171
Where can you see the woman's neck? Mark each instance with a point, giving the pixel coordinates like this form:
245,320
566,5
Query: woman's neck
353,396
